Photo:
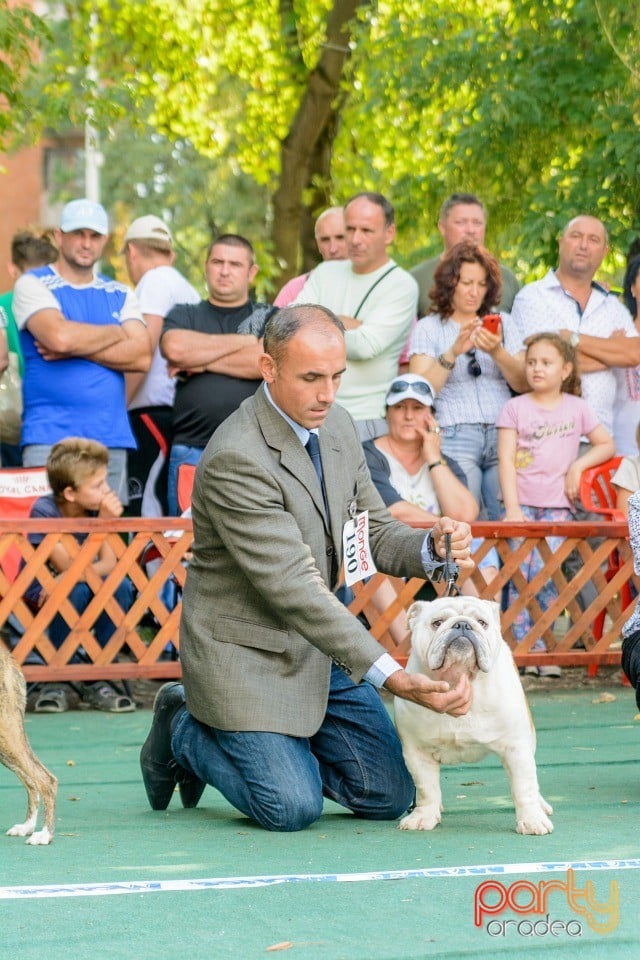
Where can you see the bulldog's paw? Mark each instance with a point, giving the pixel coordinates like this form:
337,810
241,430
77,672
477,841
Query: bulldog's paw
421,818
534,822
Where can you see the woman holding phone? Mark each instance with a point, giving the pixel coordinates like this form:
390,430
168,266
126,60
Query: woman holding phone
467,352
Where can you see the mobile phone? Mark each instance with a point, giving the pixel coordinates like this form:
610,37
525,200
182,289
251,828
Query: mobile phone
491,322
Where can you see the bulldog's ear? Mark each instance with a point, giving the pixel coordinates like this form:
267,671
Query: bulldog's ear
415,611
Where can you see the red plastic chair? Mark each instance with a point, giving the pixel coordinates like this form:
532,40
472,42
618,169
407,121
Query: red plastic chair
186,475
598,495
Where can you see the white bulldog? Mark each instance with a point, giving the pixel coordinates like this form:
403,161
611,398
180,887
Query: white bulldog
452,636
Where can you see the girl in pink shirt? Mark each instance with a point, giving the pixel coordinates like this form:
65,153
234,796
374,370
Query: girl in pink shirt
539,465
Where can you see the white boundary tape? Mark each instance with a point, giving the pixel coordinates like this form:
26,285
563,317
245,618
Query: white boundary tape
240,883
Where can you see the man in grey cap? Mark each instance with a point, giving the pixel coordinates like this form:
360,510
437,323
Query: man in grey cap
149,255
80,333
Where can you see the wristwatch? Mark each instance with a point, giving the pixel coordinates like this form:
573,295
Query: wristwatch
447,364
574,340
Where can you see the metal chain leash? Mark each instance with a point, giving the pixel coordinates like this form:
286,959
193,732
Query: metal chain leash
450,570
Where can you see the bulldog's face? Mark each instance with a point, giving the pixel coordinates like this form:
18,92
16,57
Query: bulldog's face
455,635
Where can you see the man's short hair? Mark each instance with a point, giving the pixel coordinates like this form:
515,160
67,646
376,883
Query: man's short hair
148,247
233,240
324,214
469,199
591,216
31,248
72,461
283,325
380,201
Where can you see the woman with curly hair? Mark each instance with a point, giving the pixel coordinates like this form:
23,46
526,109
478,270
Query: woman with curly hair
471,366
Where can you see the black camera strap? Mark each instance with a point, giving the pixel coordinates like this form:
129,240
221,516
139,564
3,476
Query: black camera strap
372,288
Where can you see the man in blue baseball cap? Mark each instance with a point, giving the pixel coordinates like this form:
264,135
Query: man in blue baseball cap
80,333
85,215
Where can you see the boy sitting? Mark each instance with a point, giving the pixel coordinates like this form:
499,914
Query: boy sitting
77,472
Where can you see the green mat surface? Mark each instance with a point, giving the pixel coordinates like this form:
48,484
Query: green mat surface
134,883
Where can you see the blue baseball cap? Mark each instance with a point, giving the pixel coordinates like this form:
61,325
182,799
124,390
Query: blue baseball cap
84,215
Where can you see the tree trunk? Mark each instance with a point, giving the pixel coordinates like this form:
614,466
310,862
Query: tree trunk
319,189
307,147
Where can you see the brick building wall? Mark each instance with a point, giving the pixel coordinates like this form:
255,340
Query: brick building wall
21,192
35,183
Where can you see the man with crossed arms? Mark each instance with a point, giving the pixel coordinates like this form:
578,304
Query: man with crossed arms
80,333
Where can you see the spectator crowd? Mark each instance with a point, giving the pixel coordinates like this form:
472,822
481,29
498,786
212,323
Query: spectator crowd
473,396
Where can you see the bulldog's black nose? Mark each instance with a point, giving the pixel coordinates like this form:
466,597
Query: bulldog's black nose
462,625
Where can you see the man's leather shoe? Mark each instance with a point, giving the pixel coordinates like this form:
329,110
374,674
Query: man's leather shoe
160,770
191,787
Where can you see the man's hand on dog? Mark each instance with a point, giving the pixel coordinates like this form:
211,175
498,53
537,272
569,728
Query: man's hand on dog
433,694
460,541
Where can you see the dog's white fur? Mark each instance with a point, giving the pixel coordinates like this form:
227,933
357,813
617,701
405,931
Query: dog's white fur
452,636
17,755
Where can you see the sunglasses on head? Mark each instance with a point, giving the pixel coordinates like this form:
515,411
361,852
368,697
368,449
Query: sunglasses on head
473,366
400,386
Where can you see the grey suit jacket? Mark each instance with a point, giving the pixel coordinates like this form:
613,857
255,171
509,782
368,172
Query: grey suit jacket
260,625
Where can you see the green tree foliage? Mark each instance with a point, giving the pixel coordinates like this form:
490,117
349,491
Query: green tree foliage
525,102
255,79
145,172
21,31
532,104
243,81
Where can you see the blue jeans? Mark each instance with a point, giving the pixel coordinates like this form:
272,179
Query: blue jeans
80,597
474,447
180,453
355,759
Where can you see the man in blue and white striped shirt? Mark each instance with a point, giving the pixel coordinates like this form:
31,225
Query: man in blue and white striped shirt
80,333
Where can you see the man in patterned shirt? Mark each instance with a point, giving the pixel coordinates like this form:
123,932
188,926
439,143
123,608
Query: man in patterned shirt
568,301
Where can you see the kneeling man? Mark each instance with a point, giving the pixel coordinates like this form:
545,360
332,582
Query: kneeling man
281,708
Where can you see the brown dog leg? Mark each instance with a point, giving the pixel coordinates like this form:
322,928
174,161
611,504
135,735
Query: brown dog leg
16,754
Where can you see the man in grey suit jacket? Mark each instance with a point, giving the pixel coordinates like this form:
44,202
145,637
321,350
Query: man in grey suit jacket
277,714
